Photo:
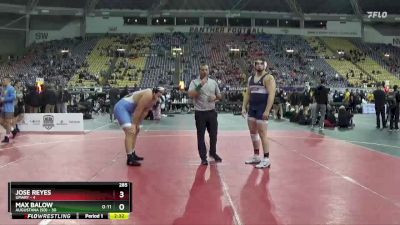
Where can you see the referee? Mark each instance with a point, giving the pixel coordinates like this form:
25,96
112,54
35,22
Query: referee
205,93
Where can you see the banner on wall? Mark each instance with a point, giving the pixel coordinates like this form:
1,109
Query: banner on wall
52,122
332,33
260,30
235,30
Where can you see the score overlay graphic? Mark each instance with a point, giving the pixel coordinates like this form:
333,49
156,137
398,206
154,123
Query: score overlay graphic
70,200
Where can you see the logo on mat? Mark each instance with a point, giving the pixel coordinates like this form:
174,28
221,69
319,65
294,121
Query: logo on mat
48,122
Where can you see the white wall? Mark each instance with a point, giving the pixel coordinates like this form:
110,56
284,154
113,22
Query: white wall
371,35
116,25
71,30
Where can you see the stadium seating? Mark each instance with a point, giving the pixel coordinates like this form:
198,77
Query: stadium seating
388,56
146,60
347,72
361,59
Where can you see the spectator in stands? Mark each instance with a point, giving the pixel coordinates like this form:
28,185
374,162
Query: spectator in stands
321,98
380,100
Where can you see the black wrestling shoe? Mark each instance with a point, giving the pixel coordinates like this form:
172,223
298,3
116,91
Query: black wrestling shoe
131,161
204,162
216,158
136,157
6,140
14,133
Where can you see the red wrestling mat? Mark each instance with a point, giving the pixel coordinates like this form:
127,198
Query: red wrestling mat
312,180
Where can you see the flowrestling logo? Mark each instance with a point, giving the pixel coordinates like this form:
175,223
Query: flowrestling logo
376,14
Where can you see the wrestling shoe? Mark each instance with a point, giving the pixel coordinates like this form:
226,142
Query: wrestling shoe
265,163
255,159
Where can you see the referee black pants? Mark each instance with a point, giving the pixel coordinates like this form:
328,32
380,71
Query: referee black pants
206,120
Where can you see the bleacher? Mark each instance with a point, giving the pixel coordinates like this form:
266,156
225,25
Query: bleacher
47,61
97,64
345,70
388,56
362,60
146,60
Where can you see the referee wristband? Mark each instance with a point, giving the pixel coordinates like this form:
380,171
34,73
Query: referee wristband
198,87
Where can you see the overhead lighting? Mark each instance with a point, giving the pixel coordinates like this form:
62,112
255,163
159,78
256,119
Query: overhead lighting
234,50
121,49
387,55
289,50
64,51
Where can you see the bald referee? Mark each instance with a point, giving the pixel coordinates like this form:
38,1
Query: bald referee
205,93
